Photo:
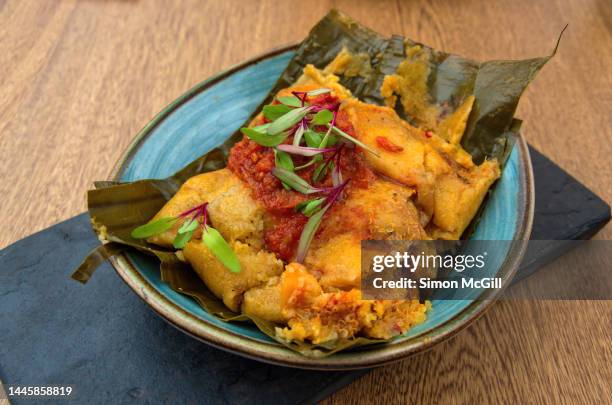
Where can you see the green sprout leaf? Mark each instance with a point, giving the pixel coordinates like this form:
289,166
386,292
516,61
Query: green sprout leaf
189,225
309,207
294,181
297,137
272,112
308,233
317,92
263,138
153,228
221,249
181,239
331,141
322,117
288,120
313,139
283,160
290,101
262,128
321,171
315,159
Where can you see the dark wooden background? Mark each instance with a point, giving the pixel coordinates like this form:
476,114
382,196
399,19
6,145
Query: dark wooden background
79,78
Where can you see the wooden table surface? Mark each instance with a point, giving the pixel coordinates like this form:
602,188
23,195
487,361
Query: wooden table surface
79,78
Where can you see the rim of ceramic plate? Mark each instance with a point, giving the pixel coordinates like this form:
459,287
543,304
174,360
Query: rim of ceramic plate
276,353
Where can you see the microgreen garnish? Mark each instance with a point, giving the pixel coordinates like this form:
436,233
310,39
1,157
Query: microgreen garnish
153,228
317,92
311,93
310,229
325,139
308,234
274,111
300,95
303,150
283,160
320,171
332,161
294,181
299,131
220,248
309,207
181,239
313,139
263,138
336,174
188,226
288,120
322,117
290,101
194,218
311,162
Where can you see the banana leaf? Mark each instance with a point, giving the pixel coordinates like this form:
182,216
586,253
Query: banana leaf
117,208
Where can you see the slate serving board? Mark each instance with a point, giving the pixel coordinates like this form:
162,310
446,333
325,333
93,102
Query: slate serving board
105,342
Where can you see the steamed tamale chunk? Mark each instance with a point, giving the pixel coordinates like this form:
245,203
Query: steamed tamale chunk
320,316
449,187
238,216
195,191
264,302
384,210
257,267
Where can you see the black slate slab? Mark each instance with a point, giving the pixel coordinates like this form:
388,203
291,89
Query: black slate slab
564,210
103,340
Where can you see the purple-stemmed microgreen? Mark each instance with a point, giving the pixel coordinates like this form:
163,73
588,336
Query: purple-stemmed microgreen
303,150
322,117
322,169
312,138
299,131
193,218
263,138
330,125
275,111
220,248
309,207
336,173
153,228
300,95
312,93
317,92
295,182
311,227
291,101
309,163
288,120
284,161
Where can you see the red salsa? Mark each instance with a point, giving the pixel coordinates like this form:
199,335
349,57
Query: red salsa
253,164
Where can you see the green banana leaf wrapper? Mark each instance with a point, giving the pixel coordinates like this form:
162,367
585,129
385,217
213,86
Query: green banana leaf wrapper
117,208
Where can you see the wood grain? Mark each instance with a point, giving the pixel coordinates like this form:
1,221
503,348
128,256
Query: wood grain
80,78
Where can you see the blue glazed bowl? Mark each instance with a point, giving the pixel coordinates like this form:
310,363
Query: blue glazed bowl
208,114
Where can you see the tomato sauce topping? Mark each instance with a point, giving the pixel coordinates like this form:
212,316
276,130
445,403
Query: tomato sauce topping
253,164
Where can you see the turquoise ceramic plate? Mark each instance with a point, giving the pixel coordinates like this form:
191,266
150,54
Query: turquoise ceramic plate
203,118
